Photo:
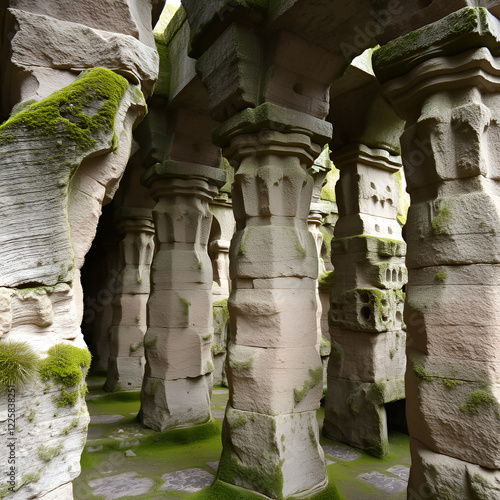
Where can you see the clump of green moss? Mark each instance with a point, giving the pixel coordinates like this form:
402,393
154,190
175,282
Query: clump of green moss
441,276
451,383
440,223
476,400
18,364
267,480
47,453
65,364
78,110
315,377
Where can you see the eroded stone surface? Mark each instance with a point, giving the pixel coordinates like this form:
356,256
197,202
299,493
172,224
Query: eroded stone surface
127,484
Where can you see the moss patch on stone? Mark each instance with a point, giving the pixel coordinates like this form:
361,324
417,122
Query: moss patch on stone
442,277
18,364
315,377
63,111
440,222
476,401
65,364
47,453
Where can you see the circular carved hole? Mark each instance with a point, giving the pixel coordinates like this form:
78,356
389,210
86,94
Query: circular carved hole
389,230
372,185
385,318
388,189
365,298
399,317
366,313
388,275
384,302
377,228
298,88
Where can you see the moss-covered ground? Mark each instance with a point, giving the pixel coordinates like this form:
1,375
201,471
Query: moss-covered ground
157,454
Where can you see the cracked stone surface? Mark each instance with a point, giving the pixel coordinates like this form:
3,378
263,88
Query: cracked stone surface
189,480
384,482
128,484
402,471
341,453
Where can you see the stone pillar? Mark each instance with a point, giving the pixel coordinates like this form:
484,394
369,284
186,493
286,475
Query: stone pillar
178,376
367,362
445,83
126,361
274,367
320,209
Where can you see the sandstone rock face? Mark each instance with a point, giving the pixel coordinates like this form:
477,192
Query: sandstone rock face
452,381
44,242
54,42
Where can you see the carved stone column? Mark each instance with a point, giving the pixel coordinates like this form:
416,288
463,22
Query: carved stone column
444,81
126,362
367,362
274,367
178,381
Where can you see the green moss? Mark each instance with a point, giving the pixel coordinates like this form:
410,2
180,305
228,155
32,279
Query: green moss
327,280
267,480
477,400
32,477
223,491
315,377
66,398
441,221
239,422
185,305
136,347
451,383
47,453
376,448
31,415
65,364
441,276
155,387
74,423
241,365
98,92
18,364
149,344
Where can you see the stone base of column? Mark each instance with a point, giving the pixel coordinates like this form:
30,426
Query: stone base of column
355,412
167,404
125,373
276,456
441,477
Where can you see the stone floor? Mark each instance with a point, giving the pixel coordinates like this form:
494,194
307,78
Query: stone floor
124,461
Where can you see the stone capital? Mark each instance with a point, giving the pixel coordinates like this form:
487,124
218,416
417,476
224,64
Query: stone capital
361,154
270,118
133,219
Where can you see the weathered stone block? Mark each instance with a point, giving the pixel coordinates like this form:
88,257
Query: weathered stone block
176,268
460,229
457,409
275,381
289,252
127,340
274,317
125,373
277,456
439,476
180,309
367,357
167,404
177,353
441,326
367,309
355,413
